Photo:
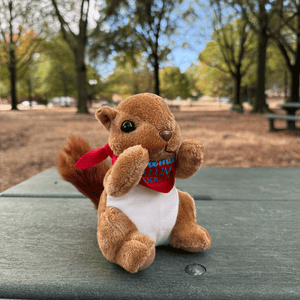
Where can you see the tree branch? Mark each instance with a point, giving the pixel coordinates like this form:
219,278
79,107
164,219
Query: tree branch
2,30
248,66
285,54
227,49
3,35
37,42
242,43
213,65
82,15
63,23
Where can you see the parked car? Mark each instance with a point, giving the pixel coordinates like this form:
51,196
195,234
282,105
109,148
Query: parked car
27,103
64,101
104,103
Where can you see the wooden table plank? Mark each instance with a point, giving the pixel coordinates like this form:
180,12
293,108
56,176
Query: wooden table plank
283,117
290,104
49,251
208,183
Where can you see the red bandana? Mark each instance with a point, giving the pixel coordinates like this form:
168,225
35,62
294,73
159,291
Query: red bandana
158,176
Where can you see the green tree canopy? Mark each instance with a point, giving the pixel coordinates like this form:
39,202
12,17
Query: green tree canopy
260,16
142,26
286,34
174,83
57,70
212,81
131,76
235,39
52,71
17,19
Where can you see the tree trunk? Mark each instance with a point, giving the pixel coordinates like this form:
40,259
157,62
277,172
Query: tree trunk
260,105
295,76
295,69
29,92
81,83
13,80
65,84
285,86
78,48
12,63
237,89
156,75
237,102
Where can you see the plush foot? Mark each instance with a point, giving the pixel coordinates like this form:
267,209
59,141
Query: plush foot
187,234
148,261
192,238
122,243
135,254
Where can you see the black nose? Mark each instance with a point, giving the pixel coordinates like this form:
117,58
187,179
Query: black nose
166,135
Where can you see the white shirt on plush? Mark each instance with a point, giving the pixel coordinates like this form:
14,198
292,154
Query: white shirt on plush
153,213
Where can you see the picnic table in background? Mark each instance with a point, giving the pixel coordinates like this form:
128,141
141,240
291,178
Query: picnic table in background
174,106
49,249
290,117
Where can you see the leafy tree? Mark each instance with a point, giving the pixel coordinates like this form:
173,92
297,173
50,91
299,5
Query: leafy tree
57,69
259,14
77,34
287,37
52,72
4,80
191,74
12,54
77,43
212,81
174,83
234,39
144,26
28,82
56,72
275,68
131,76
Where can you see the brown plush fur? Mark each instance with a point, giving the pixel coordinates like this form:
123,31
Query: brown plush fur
157,136
89,182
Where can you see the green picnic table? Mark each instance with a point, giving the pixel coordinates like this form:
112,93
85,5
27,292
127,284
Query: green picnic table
49,250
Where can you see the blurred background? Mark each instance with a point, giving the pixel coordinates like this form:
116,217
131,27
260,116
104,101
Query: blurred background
220,65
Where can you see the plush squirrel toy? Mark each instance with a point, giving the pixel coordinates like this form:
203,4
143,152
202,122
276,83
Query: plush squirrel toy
139,206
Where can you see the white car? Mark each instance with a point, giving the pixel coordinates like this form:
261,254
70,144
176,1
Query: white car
27,103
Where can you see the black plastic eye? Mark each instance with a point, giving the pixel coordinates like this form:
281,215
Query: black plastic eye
127,126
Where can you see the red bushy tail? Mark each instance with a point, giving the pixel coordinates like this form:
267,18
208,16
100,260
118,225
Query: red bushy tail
89,181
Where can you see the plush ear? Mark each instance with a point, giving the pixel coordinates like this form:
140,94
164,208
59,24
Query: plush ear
106,115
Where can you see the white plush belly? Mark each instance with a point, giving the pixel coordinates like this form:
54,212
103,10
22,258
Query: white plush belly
153,213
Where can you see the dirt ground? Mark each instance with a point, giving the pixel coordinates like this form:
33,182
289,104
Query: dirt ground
29,139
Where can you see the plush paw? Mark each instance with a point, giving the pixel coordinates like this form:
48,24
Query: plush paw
127,171
192,150
189,159
137,156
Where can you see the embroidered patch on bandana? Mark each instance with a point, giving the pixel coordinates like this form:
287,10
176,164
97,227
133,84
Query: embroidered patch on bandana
160,176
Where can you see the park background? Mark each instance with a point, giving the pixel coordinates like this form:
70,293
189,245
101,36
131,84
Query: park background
220,65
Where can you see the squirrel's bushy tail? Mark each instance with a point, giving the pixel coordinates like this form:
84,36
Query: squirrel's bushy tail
89,181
